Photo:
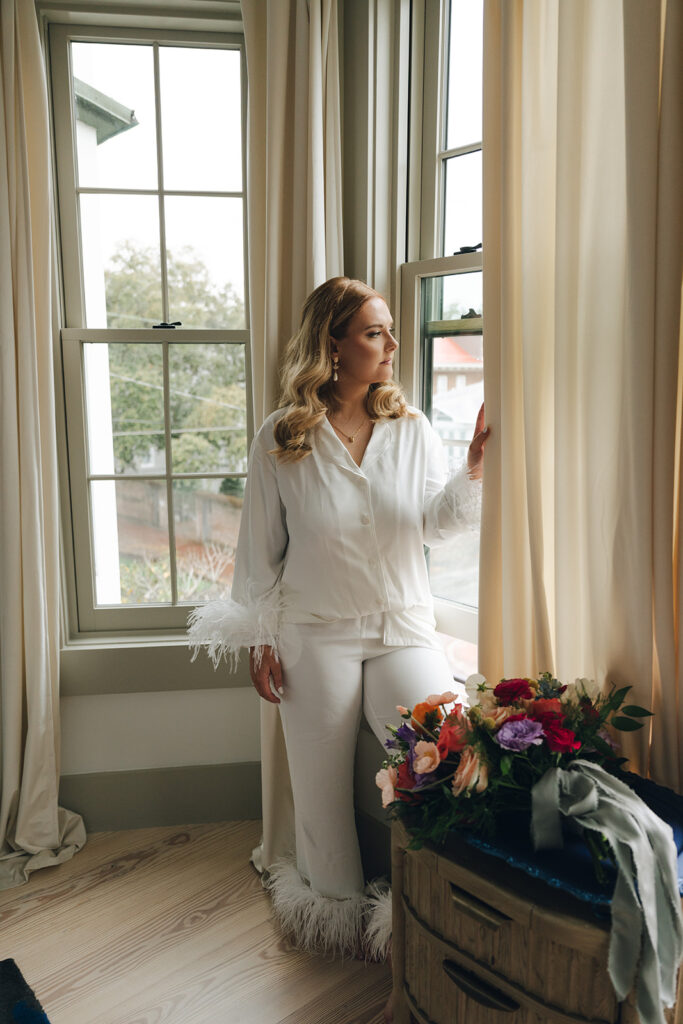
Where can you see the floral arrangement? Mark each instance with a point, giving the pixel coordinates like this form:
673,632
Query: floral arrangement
456,767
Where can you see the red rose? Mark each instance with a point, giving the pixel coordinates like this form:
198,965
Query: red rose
590,713
452,738
560,740
404,780
510,690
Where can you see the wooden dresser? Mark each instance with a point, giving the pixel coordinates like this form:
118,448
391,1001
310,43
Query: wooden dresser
476,941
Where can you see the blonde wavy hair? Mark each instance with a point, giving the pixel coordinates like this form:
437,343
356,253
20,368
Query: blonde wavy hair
306,377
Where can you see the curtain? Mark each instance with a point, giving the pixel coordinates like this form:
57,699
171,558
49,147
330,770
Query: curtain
294,190
34,831
582,352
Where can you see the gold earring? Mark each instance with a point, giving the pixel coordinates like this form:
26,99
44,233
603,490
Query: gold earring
335,367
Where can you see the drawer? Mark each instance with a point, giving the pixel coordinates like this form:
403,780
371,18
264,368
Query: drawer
558,958
444,985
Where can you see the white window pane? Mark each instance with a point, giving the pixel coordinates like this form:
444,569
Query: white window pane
463,203
454,391
465,73
130,542
113,90
207,522
120,259
208,401
125,408
205,261
201,117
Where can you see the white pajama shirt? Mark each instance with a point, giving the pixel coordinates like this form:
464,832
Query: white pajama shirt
323,539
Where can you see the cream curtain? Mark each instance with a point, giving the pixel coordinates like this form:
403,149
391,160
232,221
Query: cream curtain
582,280
294,190
34,831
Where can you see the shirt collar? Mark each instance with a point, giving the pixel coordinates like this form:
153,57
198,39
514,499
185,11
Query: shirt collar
332,448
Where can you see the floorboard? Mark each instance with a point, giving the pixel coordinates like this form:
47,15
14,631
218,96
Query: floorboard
171,925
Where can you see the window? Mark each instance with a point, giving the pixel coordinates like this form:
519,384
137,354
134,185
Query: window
441,293
155,344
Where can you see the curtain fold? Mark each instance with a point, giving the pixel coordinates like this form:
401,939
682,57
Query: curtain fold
582,278
34,831
294,196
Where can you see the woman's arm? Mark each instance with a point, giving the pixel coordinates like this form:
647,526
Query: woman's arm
250,617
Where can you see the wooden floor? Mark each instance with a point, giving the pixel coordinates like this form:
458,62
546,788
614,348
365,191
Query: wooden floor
171,925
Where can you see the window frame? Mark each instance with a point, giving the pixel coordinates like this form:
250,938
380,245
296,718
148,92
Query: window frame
84,620
428,156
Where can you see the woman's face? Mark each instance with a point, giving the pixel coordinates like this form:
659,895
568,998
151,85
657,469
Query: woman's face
366,353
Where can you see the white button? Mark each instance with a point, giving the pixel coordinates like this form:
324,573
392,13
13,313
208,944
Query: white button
365,519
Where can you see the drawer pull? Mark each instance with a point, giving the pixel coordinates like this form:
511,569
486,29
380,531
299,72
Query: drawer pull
478,990
480,911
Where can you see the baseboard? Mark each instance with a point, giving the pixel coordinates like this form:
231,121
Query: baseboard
112,801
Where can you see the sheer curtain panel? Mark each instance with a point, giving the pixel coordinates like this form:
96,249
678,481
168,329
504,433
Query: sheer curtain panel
34,831
294,190
582,278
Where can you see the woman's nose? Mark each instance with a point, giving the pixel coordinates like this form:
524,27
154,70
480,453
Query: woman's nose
392,344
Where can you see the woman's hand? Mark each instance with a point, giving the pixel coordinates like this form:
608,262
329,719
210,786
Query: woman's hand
475,452
261,674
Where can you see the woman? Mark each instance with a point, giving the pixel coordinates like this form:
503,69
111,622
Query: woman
346,484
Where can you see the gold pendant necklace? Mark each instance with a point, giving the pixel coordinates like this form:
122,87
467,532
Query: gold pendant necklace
350,437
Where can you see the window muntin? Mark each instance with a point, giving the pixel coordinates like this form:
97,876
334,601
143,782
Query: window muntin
152,231
460,128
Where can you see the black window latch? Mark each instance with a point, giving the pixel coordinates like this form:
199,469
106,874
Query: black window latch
176,323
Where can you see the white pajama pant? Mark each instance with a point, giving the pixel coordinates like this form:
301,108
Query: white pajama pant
331,673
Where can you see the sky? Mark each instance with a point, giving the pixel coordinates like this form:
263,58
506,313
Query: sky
201,110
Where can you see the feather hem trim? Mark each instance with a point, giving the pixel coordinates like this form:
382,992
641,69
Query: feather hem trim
316,923
378,926
224,627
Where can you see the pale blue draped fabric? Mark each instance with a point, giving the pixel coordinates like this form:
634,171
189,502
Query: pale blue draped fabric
646,941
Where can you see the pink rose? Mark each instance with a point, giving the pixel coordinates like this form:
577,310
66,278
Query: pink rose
471,773
401,710
386,779
435,699
426,757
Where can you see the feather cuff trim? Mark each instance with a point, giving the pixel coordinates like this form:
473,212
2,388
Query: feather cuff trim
317,924
224,627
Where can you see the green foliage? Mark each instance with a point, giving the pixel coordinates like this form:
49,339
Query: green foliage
207,381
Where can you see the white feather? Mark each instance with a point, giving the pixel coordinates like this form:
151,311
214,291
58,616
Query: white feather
378,926
317,924
224,627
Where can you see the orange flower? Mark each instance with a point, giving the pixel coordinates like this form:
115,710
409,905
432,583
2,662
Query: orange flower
426,718
471,774
545,706
453,736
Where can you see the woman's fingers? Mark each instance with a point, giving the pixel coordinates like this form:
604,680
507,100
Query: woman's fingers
261,674
475,452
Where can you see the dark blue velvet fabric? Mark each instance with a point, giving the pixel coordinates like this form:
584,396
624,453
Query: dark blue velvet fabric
571,869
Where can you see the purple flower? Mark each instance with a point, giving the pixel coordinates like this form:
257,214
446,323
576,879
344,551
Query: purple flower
519,734
410,737
424,779
407,734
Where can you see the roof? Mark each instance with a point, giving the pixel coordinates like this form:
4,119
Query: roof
101,112
448,352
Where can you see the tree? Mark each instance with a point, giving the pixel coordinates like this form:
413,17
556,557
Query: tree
207,382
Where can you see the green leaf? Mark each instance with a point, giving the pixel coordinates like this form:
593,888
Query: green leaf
602,747
505,764
635,711
626,724
617,698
